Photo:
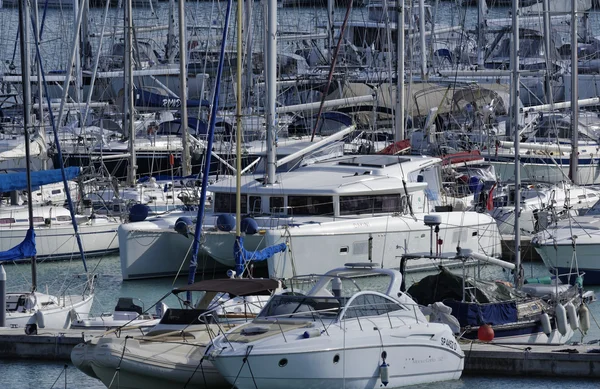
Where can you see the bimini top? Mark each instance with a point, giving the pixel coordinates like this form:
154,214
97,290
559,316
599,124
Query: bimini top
233,286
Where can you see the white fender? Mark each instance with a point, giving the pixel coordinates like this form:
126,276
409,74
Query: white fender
39,317
546,326
561,319
572,315
584,317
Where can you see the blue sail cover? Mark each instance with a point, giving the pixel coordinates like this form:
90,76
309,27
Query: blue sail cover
18,181
242,255
25,249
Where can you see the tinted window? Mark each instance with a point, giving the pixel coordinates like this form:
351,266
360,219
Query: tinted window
355,205
310,205
371,305
225,202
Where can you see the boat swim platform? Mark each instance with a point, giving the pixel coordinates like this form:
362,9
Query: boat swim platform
582,361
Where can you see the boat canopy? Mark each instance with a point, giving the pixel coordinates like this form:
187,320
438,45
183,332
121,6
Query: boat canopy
233,286
18,181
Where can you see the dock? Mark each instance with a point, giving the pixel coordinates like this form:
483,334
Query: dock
582,361
54,345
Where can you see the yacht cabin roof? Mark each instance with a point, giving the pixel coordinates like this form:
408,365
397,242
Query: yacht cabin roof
341,176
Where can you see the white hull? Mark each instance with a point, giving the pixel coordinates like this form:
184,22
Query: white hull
358,368
158,363
59,242
54,318
555,246
148,250
319,247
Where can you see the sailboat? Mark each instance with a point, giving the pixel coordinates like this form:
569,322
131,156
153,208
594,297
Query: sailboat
33,309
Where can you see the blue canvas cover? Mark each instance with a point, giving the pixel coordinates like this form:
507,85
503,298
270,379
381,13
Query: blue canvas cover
18,181
25,249
475,314
242,255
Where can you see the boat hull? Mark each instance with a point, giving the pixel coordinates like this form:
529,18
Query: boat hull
55,318
358,368
160,366
59,242
559,258
319,247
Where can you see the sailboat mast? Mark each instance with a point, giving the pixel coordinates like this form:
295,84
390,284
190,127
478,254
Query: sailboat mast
24,46
238,124
185,150
547,50
422,39
400,71
517,141
574,96
271,67
128,91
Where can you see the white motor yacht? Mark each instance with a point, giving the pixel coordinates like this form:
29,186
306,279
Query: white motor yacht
340,333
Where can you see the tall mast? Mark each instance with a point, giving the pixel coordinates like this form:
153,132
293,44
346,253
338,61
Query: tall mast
481,25
238,124
271,67
517,141
248,32
400,71
25,68
171,33
128,92
40,115
574,96
546,16
422,39
185,150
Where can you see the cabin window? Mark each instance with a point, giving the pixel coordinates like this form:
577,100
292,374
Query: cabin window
276,204
63,218
56,191
225,202
255,204
38,219
310,205
371,305
7,220
356,205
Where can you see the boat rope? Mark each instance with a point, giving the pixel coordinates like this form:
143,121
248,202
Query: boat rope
64,370
194,372
118,369
290,250
244,361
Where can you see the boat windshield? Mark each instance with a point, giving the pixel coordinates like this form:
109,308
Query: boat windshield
302,307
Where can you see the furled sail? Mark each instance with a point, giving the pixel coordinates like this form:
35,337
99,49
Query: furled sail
18,181
242,255
25,249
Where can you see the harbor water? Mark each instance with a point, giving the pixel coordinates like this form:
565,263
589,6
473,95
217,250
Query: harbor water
39,374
